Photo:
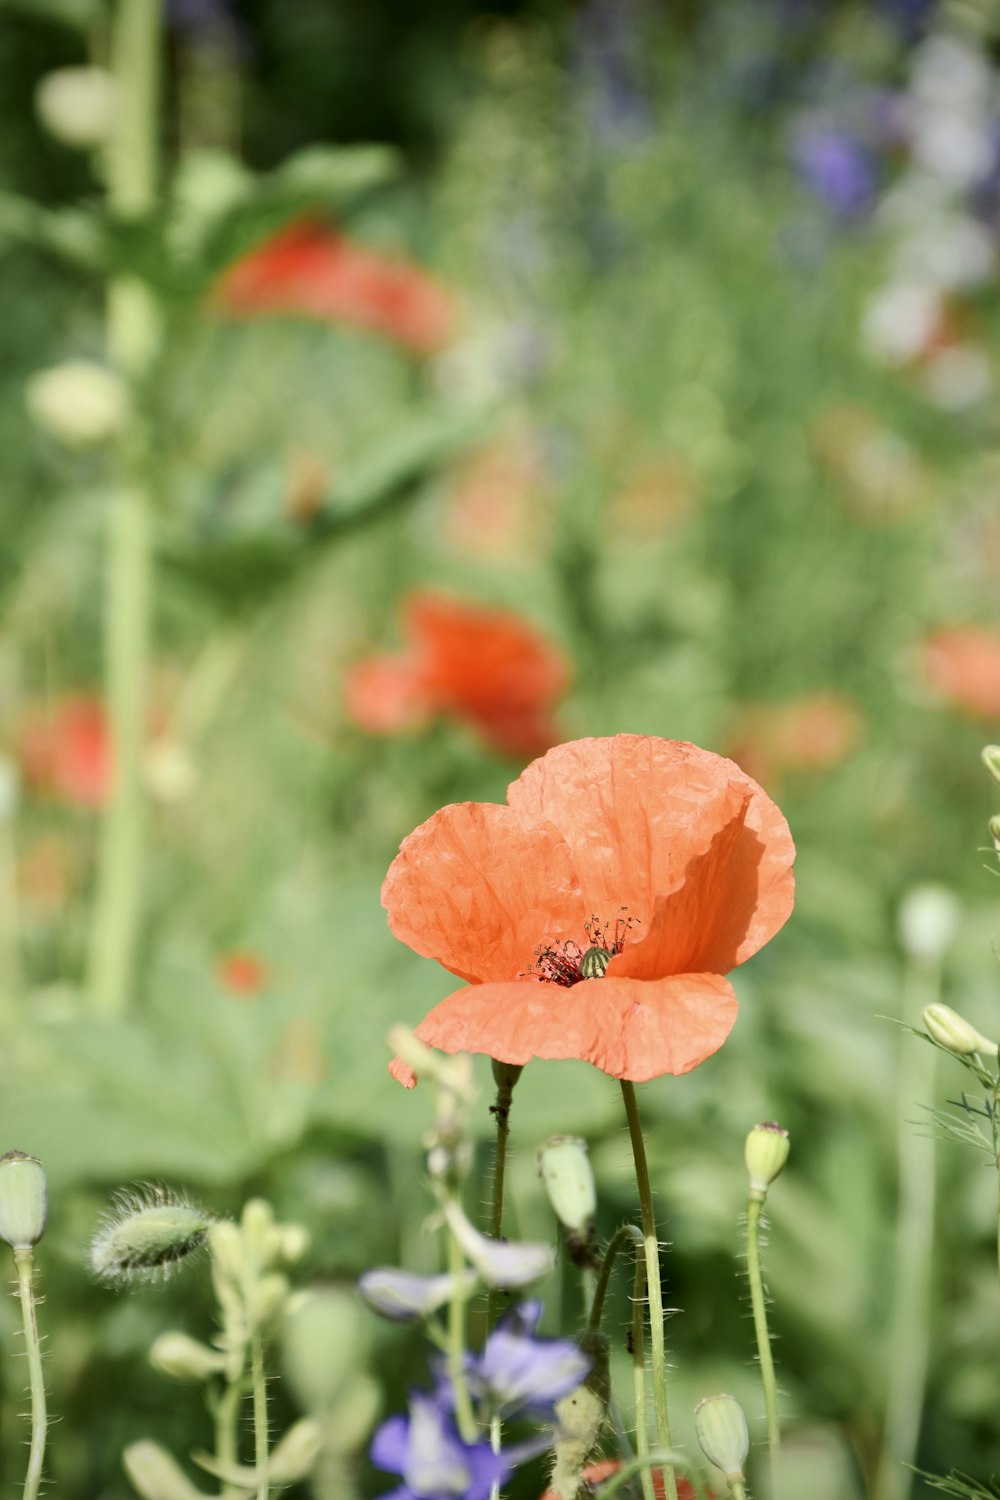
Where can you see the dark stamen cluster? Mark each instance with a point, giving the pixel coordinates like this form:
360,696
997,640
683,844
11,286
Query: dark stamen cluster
567,963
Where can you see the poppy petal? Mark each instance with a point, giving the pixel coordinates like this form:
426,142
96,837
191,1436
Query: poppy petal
629,1028
479,891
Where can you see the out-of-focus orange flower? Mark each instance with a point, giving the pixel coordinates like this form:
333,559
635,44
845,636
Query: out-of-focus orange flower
242,974
963,666
310,270
594,1473
496,501
48,876
484,667
879,477
811,733
65,750
596,915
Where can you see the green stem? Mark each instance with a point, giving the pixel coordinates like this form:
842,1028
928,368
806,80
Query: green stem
629,1234
132,337
506,1075
260,1431
455,1353
656,1459
652,1249
759,1305
226,1413
908,1338
24,1260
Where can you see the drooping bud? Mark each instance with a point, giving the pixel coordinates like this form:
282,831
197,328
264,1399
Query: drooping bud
955,1034
569,1183
766,1152
404,1296
148,1232
77,106
81,403
722,1433
505,1263
991,760
184,1358
928,922
23,1200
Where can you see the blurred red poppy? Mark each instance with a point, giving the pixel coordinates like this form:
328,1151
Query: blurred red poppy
313,271
65,750
241,973
604,1469
811,733
963,666
597,914
485,667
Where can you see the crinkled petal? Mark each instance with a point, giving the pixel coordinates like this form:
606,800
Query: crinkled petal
478,890
629,1028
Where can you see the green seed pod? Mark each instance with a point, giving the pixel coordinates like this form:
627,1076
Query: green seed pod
722,1433
23,1200
991,760
156,1475
184,1358
955,1034
148,1232
569,1183
594,963
766,1152
581,1416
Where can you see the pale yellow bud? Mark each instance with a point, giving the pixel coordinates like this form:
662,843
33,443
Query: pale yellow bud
953,1032
991,760
569,1182
156,1475
269,1297
77,106
81,403
184,1358
23,1200
722,1433
765,1152
294,1457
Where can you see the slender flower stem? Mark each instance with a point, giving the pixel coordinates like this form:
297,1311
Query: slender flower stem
908,1340
758,1303
506,1075
132,336
629,1234
455,1352
260,1432
226,1412
652,1249
655,1459
24,1261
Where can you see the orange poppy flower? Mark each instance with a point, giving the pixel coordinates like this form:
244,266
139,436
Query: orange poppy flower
241,973
963,666
608,1466
484,667
811,733
596,915
65,749
310,270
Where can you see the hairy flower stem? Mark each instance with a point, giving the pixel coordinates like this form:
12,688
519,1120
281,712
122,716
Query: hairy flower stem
908,1339
226,1413
506,1075
652,1249
132,337
455,1344
24,1261
260,1432
628,1234
758,1303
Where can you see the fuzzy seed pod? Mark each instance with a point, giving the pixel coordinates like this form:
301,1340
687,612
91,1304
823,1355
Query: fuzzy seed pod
569,1183
149,1230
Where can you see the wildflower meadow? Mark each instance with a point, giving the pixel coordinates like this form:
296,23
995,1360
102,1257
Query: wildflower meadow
500,750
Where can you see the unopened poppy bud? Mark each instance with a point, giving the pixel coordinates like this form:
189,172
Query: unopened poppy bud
184,1358
505,1263
23,1200
991,760
155,1475
81,403
404,1296
77,106
569,1183
955,1034
928,922
147,1234
722,1433
294,1457
766,1152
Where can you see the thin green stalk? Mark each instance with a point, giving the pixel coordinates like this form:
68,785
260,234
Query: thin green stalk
24,1261
226,1412
628,1234
908,1341
132,337
758,1303
506,1075
455,1352
656,1459
652,1249
260,1428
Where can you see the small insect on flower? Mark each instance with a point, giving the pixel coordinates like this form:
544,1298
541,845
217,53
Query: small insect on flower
147,1232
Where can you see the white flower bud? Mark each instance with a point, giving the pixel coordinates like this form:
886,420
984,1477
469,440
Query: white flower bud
928,922
295,1455
184,1358
722,1433
955,1034
77,106
81,403
991,760
23,1200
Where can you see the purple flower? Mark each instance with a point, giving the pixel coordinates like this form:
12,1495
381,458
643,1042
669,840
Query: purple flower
435,1464
838,168
517,1372
405,1296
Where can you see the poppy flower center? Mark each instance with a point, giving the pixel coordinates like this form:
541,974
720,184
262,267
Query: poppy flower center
569,962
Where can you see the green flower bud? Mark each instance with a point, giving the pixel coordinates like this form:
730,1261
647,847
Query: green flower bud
294,1456
156,1475
77,106
994,827
955,1034
268,1298
991,760
294,1242
23,1200
766,1152
569,1183
228,1256
148,1232
325,1336
81,403
928,922
722,1433
184,1358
